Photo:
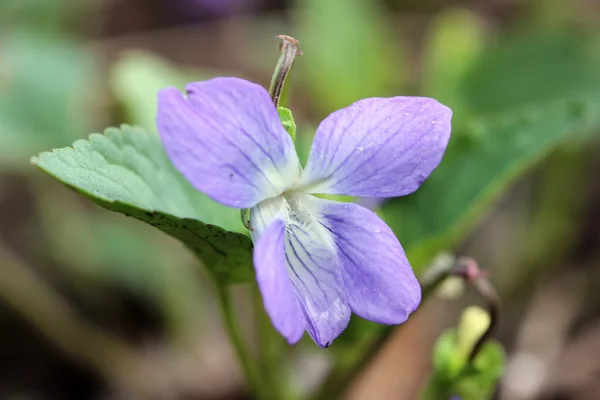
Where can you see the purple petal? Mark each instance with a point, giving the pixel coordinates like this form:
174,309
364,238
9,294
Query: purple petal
312,264
380,284
227,140
264,213
372,203
315,272
378,147
274,283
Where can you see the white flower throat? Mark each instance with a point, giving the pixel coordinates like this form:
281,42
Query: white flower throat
296,209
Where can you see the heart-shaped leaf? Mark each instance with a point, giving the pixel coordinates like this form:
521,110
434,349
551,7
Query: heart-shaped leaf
126,170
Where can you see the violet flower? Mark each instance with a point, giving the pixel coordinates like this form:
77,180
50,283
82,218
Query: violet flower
316,260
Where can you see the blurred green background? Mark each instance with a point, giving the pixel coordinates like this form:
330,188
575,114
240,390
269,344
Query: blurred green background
95,305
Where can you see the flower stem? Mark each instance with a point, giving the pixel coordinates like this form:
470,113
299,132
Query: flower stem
289,50
234,331
469,270
272,353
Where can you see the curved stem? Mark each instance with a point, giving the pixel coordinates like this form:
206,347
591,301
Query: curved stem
468,269
234,332
486,291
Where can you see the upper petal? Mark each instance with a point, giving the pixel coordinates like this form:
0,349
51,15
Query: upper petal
378,147
274,282
227,140
380,284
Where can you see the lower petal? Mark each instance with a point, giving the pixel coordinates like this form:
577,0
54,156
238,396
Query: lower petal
380,284
312,272
274,282
315,270
316,275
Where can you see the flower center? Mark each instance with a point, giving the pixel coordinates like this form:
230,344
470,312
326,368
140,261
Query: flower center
303,210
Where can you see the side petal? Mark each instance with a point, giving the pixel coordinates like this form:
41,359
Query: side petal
278,293
227,140
378,147
380,283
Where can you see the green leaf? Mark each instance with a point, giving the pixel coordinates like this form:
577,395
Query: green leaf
348,52
126,170
532,69
454,377
532,92
479,380
448,360
287,120
479,164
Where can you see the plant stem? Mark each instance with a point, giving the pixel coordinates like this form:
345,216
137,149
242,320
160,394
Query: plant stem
234,332
271,352
289,51
487,292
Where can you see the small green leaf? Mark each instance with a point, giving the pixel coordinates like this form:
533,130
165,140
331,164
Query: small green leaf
480,380
448,360
287,120
126,170
453,376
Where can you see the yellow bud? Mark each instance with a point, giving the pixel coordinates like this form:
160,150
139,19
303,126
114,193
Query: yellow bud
473,323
